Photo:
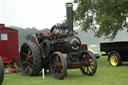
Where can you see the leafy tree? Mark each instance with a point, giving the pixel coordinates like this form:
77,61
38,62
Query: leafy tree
105,17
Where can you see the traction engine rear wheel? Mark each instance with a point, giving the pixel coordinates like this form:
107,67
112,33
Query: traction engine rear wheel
58,65
1,71
30,59
90,65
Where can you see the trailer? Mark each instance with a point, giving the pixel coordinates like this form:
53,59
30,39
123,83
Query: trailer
1,71
9,48
117,52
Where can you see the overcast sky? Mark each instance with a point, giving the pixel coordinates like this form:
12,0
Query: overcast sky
28,13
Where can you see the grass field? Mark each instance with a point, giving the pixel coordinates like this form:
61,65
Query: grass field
105,75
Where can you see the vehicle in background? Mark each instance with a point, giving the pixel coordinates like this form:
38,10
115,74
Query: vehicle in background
97,55
117,52
1,71
9,46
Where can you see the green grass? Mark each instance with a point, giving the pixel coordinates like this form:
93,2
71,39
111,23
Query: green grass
105,75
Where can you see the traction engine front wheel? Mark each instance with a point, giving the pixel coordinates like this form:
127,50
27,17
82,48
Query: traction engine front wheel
90,66
58,65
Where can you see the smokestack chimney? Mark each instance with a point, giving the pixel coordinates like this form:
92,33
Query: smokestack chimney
69,6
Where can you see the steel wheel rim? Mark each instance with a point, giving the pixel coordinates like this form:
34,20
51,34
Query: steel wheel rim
27,59
114,60
89,65
57,65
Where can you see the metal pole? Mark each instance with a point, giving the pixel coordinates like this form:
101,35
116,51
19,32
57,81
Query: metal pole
43,73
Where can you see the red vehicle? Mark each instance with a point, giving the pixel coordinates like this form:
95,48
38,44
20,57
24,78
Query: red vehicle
8,46
1,71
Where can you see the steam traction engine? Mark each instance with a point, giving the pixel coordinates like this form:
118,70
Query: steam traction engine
57,51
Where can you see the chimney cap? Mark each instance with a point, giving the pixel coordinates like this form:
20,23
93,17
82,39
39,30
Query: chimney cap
2,25
69,4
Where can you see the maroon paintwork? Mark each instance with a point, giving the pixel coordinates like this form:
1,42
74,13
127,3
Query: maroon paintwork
9,49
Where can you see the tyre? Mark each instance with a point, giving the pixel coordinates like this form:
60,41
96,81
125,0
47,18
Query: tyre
114,59
58,66
1,71
30,59
90,64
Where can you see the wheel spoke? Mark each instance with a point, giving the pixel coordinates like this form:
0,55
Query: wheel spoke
28,59
61,70
57,72
25,54
88,71
54,66
24,62
30,69
60,66
90,64
91,68
91,61
53,61
26,47
29,52
84,67
27,68
57,59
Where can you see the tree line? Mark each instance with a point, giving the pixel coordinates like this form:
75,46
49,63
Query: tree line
22,32
86,37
